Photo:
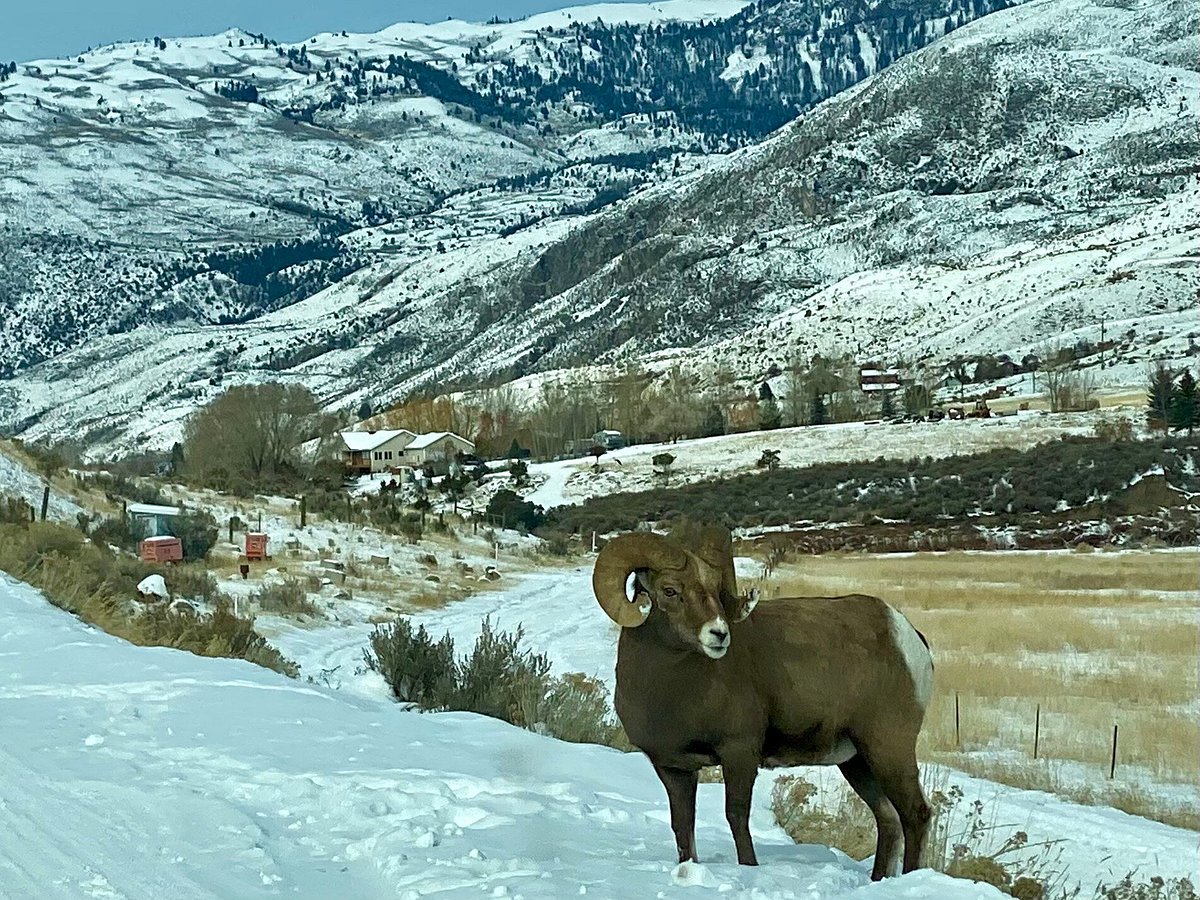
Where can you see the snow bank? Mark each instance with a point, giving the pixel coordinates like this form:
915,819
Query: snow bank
146,772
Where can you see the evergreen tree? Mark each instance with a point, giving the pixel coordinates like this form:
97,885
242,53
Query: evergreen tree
714,422
365,411
769,415
916,399
1184,411
1158,401
887,408
176,458
820,415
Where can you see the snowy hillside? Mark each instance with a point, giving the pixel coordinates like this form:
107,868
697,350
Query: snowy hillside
17,480
1011,184
138,773
1022,180
214,179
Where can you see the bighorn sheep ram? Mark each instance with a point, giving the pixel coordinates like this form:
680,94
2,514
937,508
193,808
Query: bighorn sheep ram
704,677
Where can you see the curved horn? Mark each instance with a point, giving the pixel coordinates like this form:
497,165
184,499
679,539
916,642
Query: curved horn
714,545
622,556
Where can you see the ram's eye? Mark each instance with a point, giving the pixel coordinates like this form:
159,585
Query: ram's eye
669,592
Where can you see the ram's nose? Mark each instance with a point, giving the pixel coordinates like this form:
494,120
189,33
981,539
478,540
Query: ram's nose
714,637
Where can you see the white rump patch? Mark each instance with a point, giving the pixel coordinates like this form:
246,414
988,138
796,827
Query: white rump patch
917,657
714,637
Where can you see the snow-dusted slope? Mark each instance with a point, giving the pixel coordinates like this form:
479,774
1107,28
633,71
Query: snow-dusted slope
1028,178
18,480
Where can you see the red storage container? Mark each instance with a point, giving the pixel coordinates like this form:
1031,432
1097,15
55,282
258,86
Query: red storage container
256,545
161,549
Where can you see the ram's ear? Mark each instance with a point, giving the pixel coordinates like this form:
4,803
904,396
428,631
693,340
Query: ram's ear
748,602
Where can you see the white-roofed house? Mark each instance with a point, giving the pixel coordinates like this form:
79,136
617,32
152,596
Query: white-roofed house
436,450
152,517
375,451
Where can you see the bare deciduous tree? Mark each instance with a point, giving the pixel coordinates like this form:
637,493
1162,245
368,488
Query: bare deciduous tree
251,433
1067,388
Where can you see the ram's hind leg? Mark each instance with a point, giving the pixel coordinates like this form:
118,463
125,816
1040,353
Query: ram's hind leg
897,775
890,835
681,792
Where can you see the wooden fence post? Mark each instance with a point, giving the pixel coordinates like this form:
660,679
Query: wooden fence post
1112,768
957,730
303,511
45,501
1037,729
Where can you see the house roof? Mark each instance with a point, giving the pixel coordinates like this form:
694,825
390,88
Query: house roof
150,509
369,440
425,440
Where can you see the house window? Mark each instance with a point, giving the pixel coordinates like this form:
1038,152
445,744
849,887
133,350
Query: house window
378,455
387,454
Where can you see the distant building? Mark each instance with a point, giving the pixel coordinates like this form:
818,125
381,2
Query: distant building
609,439
436,451
152,517
873,381
366,452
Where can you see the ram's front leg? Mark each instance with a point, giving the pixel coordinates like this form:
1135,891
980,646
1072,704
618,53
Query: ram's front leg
739,770
681,792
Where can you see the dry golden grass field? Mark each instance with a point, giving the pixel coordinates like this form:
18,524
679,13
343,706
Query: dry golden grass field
1096,639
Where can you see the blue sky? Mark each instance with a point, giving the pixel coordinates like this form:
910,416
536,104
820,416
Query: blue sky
30,29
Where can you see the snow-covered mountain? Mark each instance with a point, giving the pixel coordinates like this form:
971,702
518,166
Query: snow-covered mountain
1024,178
215,179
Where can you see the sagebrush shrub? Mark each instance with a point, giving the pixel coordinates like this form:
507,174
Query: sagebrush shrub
190,581
197,533
961,842
497,679
287,597
417,668
493,679
14,511
119,531
576,709
1157,888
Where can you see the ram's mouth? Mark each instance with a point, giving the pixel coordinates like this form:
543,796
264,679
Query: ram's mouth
714,650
